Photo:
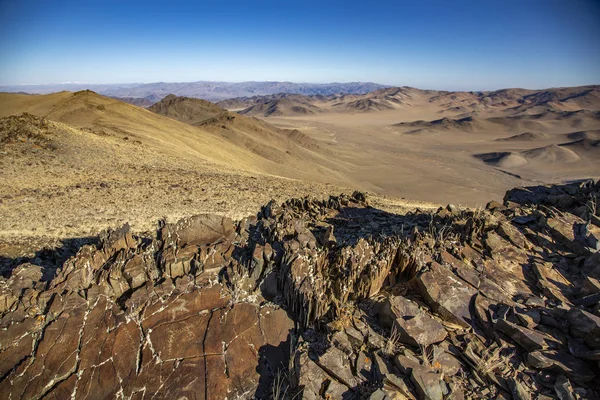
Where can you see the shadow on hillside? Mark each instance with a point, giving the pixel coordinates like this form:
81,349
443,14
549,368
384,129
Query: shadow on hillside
50,259
273,369
354,223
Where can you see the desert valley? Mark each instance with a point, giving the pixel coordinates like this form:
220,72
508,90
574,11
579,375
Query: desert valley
183,155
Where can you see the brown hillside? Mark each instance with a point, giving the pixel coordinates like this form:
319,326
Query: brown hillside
186,109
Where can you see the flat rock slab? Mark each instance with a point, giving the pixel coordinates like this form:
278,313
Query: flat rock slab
562,362
414,325
184,344
529,339
446,294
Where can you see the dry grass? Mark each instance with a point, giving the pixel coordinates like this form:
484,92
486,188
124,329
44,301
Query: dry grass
280,386
393,342
491,361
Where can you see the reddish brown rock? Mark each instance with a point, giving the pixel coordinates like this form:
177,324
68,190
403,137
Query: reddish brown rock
414,326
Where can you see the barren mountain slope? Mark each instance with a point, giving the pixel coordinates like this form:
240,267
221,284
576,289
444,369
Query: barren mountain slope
105,116
186,109
289,148
274,105
514,100
95,162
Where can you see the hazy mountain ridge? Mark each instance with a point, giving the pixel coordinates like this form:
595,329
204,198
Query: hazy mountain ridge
207,90
517,100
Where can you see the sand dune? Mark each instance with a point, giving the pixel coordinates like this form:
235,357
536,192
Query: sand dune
466,124
547,155
588,148
503,159
525,136
551,154
591,134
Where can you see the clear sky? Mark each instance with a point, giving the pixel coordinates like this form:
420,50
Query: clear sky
474,45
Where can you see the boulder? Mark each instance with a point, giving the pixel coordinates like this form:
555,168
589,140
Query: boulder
429,385
527,338
415,327
585,325
199,229
561,362
446,294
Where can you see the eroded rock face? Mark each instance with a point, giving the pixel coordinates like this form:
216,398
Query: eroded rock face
319,299
117,323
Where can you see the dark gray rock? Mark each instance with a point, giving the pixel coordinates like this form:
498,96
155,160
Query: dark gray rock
561,362
527,338
585,325
415,327
446,294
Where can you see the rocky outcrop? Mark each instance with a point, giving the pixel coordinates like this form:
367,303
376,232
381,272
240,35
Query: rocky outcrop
320,299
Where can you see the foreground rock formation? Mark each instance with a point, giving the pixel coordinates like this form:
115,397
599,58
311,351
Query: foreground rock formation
320,299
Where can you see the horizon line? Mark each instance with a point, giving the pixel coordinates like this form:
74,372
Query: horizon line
21,85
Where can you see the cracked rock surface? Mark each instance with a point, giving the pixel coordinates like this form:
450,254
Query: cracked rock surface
320,299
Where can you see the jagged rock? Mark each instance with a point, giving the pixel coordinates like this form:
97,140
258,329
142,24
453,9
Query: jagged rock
465,272
312,379
335,390
590,286
389,379
552,283
200,229
591,266
527,338
340,340
566,229
429,385
446,295
415,326
445,362
211,309
563,388
338,365
387,394
364,366
518,390
529,318
406,363
512,234
585,325
562,362
579,349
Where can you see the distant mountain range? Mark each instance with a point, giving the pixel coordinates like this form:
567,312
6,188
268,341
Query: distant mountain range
149,93
460,104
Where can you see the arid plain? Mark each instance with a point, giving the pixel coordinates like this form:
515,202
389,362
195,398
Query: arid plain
464,148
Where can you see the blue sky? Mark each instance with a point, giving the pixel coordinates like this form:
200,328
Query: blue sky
471,45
